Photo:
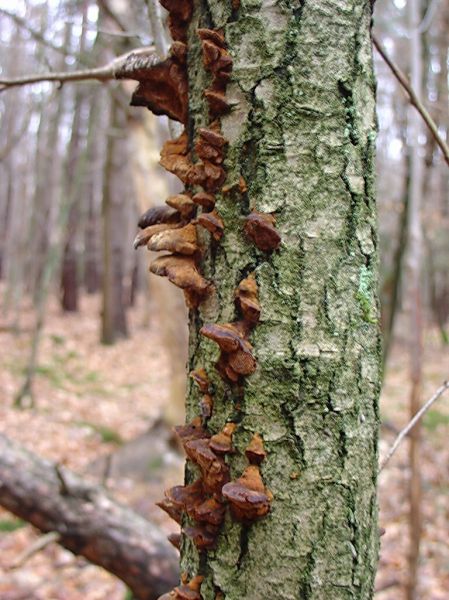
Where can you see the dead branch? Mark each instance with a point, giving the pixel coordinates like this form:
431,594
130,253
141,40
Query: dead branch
414,100
404,432
88,521
105,73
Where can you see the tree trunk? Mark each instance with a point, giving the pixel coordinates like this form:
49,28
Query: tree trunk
302,135
114,324
88,521
415,250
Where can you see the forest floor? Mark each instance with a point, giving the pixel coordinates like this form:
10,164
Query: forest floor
93,401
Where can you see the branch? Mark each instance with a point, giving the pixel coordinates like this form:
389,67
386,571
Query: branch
421,412
37,546
414,100
88,521
121,65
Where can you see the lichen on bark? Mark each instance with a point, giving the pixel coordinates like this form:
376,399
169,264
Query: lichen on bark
302,134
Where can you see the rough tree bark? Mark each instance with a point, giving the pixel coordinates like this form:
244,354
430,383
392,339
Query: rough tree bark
88,521
302,134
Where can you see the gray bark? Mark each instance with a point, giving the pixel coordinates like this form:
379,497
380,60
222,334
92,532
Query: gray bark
302,134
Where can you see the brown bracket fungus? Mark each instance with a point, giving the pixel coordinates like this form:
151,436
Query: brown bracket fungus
191,431
182,272
210,145
221,442
214,471
237,358
213,223
216,58
247,496
144,236
182,240
183,203
259,227
163,87
186,591
203,536
211,177
200,377
218,105
255,452
175,157
158,214
247,300
179,15
207,201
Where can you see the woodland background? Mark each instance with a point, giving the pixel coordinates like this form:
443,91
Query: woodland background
93,351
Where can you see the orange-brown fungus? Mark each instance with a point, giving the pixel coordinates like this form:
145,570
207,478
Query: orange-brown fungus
255,451
158,214
173,510
221,442
207,201
210,145
247,300
183,203
191,431
218,105
181,271
237,358
259,227
239,186
212,35
209,511
213,223
214,471
203,536
185,591
175,157
211,177
182,240
248,497
179,15
206,406
144,236
163,87
199,376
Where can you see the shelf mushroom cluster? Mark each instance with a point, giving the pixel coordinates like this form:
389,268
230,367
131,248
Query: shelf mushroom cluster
200,507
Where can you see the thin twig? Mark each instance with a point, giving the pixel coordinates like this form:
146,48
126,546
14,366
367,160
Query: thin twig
37,546
421,412
105,73
414,100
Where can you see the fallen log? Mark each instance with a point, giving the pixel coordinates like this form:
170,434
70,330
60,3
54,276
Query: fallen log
89,522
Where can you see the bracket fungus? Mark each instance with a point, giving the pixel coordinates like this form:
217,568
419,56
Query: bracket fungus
200,377
158,214
183,203
182,240
236,352
247,496
259,227
247,300
182,272
255,452
214,471
216,58
221,442
175,157
210,145
179,15
207,201
163,86
144,236
188,590
213,223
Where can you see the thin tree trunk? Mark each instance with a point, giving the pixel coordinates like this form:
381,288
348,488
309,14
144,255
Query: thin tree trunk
114,323
88,521
415,295
302,135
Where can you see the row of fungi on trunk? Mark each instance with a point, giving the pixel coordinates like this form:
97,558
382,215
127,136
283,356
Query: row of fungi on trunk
172,228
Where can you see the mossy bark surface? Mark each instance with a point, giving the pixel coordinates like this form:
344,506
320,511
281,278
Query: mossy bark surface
302,134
